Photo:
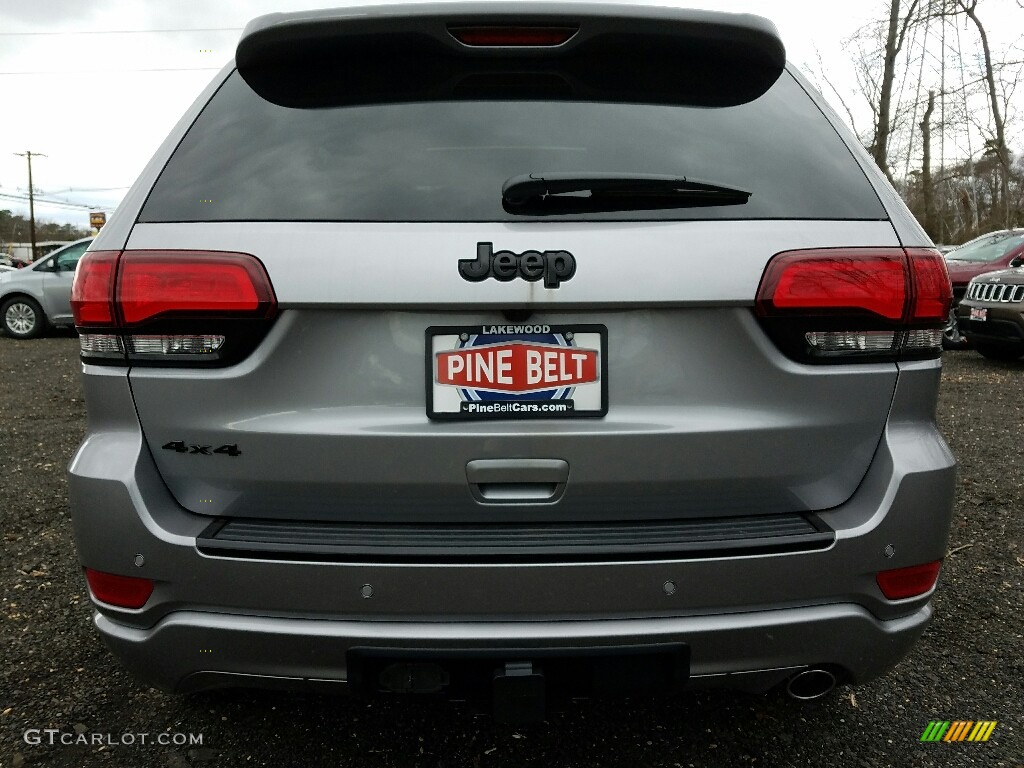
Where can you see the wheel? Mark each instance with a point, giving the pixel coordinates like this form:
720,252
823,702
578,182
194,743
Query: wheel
1000,351
22,318
951,336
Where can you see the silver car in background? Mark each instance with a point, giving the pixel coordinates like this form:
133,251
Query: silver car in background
508,350
39,295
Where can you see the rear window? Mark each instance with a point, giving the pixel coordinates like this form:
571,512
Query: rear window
246,159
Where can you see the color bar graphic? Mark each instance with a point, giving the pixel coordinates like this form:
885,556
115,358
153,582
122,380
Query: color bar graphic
982,730
959,730
935,731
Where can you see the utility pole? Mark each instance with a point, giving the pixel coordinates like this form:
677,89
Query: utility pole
31,198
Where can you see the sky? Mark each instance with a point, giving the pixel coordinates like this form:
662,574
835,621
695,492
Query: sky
96,86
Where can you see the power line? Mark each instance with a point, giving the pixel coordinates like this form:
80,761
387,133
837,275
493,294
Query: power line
120,32
44,201
46,204
91,189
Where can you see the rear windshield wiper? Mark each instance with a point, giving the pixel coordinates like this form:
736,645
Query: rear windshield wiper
541,194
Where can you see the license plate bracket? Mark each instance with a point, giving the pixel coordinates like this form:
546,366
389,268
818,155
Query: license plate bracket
519,371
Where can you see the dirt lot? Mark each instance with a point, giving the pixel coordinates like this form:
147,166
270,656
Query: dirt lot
57,675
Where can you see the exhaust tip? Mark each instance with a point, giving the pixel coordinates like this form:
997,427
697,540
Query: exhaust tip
810,684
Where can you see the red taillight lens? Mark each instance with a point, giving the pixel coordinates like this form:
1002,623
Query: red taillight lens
151,284
92,292
836,282
933,292
901,583
122,591
511,37
847,304
171,307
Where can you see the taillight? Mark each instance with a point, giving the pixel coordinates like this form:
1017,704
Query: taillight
171,284
855,304
901,583
92,293
512,37
166,307
933,291
122,591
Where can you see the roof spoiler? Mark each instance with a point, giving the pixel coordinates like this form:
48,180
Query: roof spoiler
510,50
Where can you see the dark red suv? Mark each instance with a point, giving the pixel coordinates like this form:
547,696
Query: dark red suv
996,250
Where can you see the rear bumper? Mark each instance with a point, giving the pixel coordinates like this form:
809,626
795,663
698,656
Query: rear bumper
1004,326
189,650
749,620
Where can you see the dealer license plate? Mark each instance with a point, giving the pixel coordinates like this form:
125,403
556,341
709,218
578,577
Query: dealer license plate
979,313
517,371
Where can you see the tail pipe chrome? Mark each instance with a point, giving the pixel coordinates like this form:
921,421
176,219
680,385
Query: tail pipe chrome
810,684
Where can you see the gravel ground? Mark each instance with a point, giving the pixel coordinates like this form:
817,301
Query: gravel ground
56,674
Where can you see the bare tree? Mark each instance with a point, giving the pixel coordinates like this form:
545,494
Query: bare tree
920,40
927,192
896,36
1001,151
820,72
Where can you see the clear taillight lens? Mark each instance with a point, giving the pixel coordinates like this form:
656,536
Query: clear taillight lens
205,344
839,342
101,345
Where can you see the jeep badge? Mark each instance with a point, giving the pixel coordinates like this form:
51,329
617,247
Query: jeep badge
553,266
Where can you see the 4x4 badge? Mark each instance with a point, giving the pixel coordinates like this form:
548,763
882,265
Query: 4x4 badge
553,266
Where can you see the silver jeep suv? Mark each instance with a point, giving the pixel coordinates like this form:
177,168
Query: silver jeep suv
511,349
39,295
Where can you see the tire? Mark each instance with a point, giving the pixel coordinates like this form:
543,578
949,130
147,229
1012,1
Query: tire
1000,351
951,336
22,318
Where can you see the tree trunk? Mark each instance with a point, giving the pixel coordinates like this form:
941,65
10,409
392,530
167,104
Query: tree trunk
926,168
880,146
896,35
1002,154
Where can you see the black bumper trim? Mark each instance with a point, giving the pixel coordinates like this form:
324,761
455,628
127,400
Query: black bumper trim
260,539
